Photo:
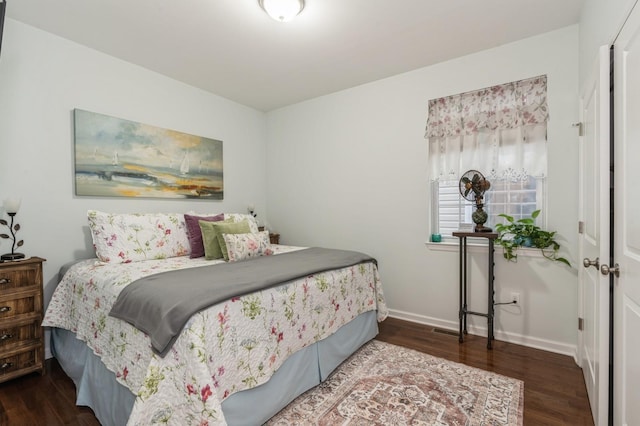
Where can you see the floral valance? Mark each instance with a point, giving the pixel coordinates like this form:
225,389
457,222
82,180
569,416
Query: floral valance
506,106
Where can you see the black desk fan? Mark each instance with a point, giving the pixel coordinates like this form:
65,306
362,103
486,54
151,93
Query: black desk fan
473,185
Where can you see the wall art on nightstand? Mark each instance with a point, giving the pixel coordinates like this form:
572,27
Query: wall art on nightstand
122,158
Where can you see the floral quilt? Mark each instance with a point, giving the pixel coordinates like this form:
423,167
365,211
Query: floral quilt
229,347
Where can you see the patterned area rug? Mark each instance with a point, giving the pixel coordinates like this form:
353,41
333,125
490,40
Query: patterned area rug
384,384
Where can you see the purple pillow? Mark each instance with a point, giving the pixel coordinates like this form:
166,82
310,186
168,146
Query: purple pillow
195,234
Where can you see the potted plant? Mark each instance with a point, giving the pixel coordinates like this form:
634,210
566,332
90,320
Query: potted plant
525,233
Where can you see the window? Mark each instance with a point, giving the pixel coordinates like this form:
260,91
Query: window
518,199
500,131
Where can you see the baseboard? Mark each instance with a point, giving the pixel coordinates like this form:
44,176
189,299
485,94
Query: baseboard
519,339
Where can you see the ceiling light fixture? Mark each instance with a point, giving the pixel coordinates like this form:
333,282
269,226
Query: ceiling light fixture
282,10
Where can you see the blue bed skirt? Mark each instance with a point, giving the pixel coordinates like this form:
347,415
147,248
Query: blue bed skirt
96,386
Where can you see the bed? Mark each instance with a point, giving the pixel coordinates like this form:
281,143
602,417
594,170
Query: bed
259,349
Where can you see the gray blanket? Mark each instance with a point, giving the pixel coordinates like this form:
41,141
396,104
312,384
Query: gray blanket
161,304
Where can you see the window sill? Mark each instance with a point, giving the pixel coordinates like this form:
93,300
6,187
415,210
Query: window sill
479,247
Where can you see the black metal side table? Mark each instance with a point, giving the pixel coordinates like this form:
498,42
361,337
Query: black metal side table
463,312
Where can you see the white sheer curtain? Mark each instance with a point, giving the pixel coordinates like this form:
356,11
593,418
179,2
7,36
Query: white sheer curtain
499,130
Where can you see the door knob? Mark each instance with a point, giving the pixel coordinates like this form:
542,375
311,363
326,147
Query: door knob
606,270
586,262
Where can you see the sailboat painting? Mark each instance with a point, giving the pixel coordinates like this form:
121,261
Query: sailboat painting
121,158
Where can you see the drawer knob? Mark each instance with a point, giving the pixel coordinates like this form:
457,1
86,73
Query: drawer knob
5,365
6,336
5,309
5,280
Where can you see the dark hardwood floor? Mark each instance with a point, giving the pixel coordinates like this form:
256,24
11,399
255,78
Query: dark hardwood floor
554,391
48,400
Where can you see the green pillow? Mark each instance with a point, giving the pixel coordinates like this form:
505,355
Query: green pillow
214,245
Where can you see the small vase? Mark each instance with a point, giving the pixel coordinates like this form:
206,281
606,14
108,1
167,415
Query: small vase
479,217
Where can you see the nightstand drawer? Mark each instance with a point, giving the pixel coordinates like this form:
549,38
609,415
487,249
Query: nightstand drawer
18,363
18,277
20,334
20,307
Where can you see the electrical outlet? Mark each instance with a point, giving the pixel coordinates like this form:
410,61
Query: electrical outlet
515,298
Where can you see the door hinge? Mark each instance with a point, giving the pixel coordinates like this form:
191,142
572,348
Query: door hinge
580,128
580,324
580,227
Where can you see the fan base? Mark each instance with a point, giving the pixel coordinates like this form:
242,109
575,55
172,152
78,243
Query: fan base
482,228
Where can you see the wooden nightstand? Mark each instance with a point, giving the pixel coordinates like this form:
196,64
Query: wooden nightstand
21,312
274,238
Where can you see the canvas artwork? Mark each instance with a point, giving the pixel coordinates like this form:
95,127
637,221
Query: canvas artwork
122,158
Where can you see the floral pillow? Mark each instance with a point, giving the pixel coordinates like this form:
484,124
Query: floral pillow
239,217
246,246
125,238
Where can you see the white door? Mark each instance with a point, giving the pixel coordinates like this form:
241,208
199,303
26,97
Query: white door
626,333
594,237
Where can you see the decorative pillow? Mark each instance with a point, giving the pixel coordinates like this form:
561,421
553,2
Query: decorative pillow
195,234
214,246
245,246
124,237
239,217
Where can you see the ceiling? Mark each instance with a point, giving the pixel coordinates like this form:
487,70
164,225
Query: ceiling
233,49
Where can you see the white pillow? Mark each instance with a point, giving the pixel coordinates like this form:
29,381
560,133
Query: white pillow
245,246
133,237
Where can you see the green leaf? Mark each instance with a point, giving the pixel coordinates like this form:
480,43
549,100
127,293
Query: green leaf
515,234
506,216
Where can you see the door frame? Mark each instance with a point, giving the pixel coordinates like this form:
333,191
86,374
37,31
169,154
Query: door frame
625,385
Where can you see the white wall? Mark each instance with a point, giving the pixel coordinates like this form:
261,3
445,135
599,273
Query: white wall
346,170
600,22
349,170
42,79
